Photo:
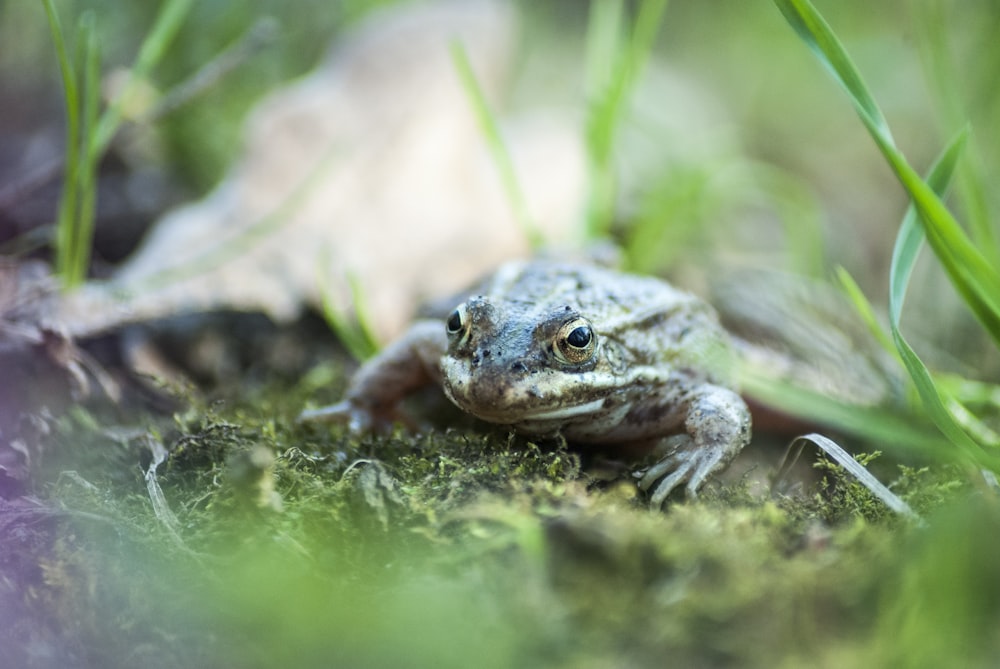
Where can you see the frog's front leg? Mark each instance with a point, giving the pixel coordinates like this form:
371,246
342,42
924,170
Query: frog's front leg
381,383
717,427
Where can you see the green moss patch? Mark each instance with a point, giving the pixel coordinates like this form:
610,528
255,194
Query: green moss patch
304,545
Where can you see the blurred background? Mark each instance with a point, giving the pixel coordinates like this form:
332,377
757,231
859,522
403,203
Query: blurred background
735,142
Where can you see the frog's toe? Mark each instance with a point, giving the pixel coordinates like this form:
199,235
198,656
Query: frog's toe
660,488
685,463
358,419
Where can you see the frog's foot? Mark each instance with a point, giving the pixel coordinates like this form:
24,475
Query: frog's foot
716,429
687,462
357,417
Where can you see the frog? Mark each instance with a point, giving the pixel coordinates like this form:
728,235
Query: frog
568,350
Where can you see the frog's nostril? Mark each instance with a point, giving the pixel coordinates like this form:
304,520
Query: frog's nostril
519,368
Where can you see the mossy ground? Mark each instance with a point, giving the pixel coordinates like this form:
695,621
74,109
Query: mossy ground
288,545
303,545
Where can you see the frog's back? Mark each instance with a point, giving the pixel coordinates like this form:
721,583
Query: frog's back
601,294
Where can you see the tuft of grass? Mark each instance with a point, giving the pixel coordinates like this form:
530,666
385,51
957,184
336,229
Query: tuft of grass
970,271
89,132
494,140
613,64
75,217
357,336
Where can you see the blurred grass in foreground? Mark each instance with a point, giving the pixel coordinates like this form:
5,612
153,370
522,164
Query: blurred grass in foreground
455,550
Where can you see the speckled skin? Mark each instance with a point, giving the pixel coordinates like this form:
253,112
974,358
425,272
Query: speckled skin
594,355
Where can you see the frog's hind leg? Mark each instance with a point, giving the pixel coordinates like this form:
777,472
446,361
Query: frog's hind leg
717,426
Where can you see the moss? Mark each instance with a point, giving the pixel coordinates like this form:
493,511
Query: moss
306,544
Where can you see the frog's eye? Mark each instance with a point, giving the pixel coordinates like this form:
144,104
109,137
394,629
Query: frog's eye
458,321
575,342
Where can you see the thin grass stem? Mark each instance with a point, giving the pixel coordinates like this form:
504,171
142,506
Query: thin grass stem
65,221
86,186
168,22
494,140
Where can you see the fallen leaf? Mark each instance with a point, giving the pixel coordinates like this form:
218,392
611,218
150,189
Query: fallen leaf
370,169
41,368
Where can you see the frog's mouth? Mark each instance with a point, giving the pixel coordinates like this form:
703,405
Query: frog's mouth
537,401
560,413
522,414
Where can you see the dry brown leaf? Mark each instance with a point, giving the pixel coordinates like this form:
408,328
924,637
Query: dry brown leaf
372,167
41,369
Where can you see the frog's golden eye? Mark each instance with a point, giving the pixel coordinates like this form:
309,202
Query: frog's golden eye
575,342
458,321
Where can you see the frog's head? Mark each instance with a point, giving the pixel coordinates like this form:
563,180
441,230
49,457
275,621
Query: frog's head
517,364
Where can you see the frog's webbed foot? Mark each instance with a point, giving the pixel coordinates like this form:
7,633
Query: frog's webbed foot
717,428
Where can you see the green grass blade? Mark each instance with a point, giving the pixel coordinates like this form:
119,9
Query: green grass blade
357,335
969,271
86,186
855,469
494,140
818,36
942,76
89,133
934,403
66,217
976,280
973,276
910,238
612,70
865,310
365,330
168,22
604,36
876,423
907,248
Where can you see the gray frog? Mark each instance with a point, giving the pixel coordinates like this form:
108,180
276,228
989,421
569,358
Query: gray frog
594,355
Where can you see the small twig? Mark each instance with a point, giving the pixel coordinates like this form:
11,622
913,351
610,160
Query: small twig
160,506
156,496
29,511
